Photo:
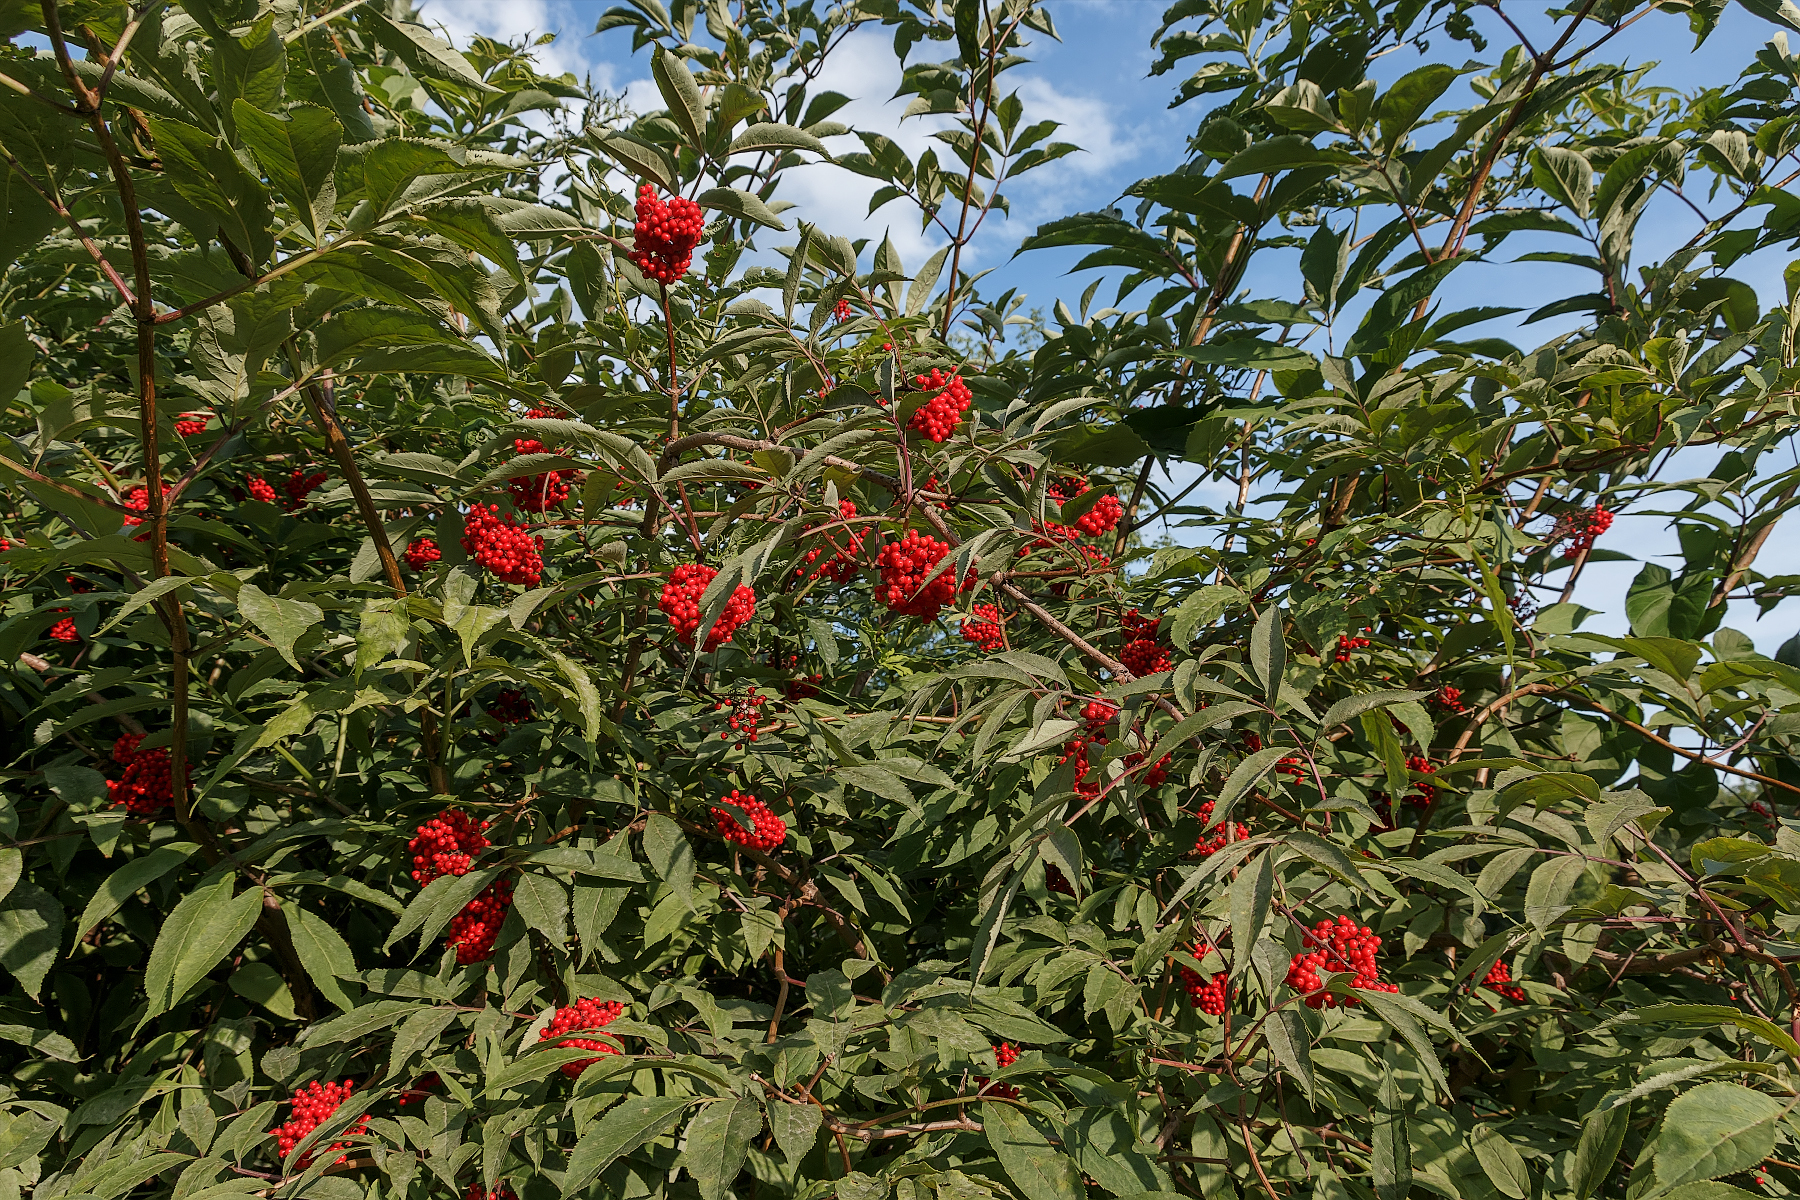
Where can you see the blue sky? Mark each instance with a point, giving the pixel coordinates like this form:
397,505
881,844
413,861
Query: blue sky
1096,81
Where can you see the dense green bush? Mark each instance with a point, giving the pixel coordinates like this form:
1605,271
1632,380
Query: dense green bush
942,837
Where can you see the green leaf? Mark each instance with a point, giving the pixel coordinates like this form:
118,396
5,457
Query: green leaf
323,952
718,1141
1252,894
543,903
1405,102
633,1122
740,204
1502,1162
283,622
679,91
122,884
796,1128
1390,1155
1715,1129
1716,1014
1602,1135
31,927
1289,1043
201,930
299,152
51,1045
771,135
1037,1169
1777,12
429,56
207,175
1268,652
1252,354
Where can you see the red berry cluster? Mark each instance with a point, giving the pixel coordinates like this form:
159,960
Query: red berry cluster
1076,751
1210,996
1341,946
146,788
188,424
841,310
473,930
1102,518
583,1014
983,628
680,602
1586,527
1141,654
1449,698
64,630
137,498
1226,833
313,1105
663,241
803,687
260,489
1005,1055
1499,979
510,706
843,561
767,831
1762,809
446,845
1292,767
746,715
298,486
939,416
1424,766
421,553
418,1093
904,566
1156,776
501,545
1099,714
543,491
502,1192
1348,645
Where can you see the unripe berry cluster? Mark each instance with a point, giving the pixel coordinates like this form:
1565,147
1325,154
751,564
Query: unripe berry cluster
1348,645
663,240
498,543
1209,844
421,553
510,706
939,416
473,930
312,1105
1499,979
586,1013
188,424
446,845
1341,946
844,560
766,831
983,628
146,787
680,602
904,566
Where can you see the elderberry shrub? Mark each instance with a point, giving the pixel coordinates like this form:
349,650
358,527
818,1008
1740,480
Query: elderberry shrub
1191,708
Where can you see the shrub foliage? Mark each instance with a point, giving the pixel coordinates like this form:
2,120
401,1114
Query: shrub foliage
528,672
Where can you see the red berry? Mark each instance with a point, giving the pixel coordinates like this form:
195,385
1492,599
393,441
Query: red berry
417,1093
138,498
64,630
298,486
1210,996
312,1105
904,566
765,832
1342,947
939,416
421,553
543,491
446,845
473,930
1225,833
665,235
510,706
502,1191
260,489
498,543
583,1014
188,424
1499,979
983,628
680,602
146,788
844,560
